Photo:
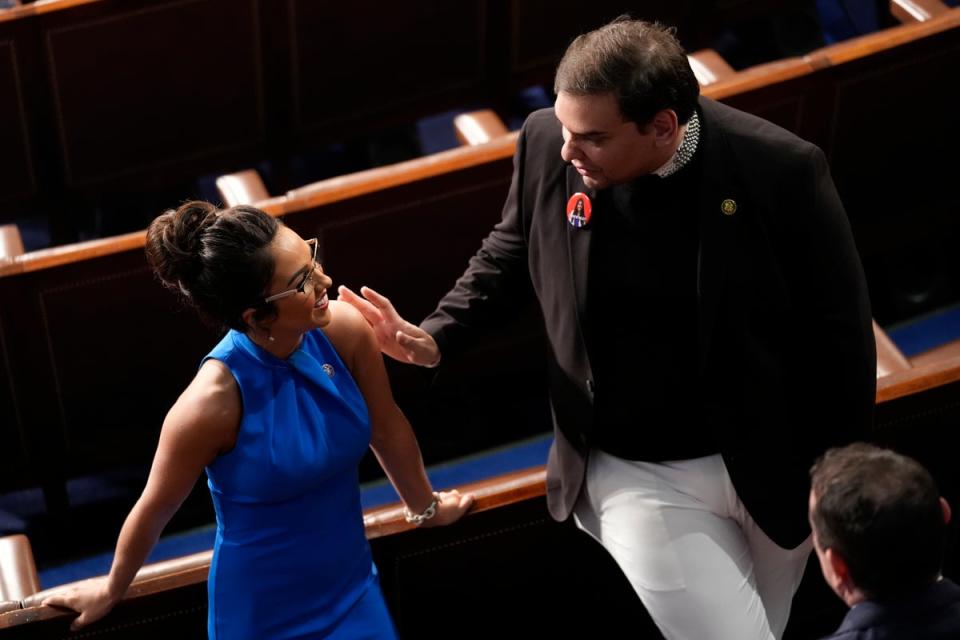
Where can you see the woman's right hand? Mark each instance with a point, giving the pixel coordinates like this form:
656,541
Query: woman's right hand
397,338
90,599
451,507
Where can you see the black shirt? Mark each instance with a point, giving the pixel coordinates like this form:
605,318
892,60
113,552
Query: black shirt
642,319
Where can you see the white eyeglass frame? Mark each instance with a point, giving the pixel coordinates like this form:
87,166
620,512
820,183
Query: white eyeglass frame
300,288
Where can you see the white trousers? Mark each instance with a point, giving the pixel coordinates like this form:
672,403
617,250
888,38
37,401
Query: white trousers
700,564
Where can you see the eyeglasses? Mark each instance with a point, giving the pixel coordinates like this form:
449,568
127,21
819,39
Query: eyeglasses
307,278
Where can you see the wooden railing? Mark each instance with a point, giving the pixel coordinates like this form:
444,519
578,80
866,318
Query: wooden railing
510,560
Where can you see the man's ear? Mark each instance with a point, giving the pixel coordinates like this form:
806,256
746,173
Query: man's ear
945,506
839,570
665,126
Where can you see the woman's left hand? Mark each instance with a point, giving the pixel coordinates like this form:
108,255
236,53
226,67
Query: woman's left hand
450,508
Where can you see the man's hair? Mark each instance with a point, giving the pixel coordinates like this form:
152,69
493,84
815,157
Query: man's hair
881,512
641,63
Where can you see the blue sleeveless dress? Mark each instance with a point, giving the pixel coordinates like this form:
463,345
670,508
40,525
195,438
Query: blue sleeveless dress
290,558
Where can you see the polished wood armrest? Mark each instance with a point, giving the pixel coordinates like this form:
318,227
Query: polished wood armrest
937,354
243,187
889,357
917,379
193,569
40,7
870,44
709,67
757,77
18,573
182,570
479,127
490,493
907,11
11,243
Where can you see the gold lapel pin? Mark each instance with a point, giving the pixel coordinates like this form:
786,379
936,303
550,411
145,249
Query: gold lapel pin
729,207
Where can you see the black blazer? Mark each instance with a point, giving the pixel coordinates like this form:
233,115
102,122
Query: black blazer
788,356
932,613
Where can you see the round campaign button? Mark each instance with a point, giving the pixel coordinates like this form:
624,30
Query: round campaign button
578,210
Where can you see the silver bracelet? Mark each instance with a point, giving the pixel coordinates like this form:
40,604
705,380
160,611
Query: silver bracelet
419,518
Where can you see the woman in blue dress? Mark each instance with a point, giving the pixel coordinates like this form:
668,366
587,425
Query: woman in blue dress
279,415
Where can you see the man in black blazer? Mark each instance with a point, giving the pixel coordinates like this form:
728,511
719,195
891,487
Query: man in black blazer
709,330
879,529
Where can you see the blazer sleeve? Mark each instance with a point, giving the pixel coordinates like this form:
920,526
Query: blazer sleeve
496,283
837,351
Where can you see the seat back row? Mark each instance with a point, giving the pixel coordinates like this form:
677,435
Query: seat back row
507,557
82,326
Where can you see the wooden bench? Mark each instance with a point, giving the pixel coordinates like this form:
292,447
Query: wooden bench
86,320
163,114
508,558
83,326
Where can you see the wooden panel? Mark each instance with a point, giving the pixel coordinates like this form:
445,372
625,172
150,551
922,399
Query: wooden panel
923,424
786,111
503,557
517,562
13,453
30,420
885,162
349,67
390,240
121,349
142,89
16,164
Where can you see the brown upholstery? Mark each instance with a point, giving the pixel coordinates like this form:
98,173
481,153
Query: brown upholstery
709,67
244,187
916,10
18,573
11,244
478,127
889,357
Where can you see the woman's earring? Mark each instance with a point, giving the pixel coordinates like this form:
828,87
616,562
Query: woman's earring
259,329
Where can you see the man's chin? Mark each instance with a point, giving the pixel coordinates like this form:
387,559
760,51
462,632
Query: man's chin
594,183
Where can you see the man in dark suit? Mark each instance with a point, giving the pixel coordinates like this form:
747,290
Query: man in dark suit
879,530
709,330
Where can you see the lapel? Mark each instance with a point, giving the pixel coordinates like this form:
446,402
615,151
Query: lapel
578,241
720,193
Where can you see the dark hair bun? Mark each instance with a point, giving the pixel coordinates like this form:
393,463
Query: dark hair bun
175,243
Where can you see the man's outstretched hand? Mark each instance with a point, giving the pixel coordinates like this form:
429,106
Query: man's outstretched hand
398,338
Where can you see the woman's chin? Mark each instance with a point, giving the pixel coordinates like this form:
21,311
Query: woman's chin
321,317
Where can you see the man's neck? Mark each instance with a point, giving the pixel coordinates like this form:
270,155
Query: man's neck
853,597
682,149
